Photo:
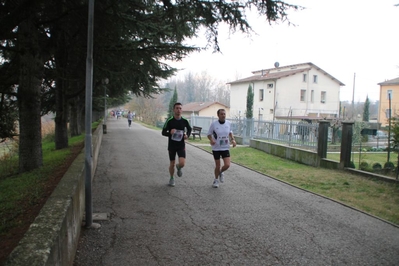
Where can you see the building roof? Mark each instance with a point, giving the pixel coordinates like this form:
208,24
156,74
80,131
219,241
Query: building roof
390,82
264,74
198,106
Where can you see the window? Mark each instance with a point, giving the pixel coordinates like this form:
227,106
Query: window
271,111
304,78
261,95
312,96
323,97
389,93
303,95
314,78
270,85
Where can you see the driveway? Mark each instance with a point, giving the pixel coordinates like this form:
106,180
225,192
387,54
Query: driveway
251,219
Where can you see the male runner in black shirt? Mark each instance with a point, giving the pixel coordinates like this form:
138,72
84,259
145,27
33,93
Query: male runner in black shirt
177,129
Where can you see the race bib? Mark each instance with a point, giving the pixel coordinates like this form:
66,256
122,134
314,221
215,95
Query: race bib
178,135
224,142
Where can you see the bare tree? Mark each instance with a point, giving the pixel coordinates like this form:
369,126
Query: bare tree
200,88
148,110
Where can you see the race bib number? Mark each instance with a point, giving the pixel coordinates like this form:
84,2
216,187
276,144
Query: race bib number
178,135
224,142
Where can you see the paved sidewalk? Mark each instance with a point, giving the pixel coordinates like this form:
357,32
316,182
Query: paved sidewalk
250,219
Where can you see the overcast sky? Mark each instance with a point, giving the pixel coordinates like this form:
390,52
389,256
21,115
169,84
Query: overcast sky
342,37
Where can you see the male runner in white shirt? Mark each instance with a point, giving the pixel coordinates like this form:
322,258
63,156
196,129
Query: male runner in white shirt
220,137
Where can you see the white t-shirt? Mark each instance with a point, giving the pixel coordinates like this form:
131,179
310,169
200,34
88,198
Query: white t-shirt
220,133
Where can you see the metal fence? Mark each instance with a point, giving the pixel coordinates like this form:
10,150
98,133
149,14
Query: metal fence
304,135
291,133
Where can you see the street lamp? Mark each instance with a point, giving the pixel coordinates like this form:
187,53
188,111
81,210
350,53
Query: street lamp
105,83
88,114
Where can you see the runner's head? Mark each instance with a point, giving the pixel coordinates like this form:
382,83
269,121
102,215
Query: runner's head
221,115
177,110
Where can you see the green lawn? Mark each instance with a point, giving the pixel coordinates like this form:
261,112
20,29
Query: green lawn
21,192
370,157
375,197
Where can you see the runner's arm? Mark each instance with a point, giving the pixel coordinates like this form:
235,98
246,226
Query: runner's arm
189,129
165,130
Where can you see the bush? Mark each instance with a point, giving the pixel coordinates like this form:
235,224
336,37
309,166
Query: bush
364,165
352,165
389,165
377,166
159,124
376,149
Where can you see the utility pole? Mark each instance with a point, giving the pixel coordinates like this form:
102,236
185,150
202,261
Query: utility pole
88,137
389,127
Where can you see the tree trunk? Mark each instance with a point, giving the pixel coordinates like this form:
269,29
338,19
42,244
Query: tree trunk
83,118
61,118
29,92
61,101
75,118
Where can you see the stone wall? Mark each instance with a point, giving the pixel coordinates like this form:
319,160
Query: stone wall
53,237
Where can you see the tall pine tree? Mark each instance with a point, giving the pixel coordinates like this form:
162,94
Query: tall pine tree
249,112
366,110
173,100
250,102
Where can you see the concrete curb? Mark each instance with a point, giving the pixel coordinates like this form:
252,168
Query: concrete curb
53,237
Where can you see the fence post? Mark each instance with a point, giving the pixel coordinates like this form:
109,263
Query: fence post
192,118
322,139
346,144
247,135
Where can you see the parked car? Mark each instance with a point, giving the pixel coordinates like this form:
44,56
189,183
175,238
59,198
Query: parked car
381,135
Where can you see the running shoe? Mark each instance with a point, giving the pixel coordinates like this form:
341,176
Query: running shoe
215,183
172,182
221,177
179,172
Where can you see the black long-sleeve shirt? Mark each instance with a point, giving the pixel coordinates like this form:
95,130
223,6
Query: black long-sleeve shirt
179,124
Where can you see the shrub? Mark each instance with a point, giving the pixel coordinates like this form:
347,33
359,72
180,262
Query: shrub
364,165
389,165
376,149
352,165
377,166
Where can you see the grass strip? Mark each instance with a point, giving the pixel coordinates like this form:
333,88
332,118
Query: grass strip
21,192
378,198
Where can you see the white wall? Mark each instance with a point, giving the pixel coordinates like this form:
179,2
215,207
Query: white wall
238,99
286,92
268,99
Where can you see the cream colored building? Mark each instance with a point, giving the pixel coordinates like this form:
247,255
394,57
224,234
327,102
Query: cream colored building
388,89
297,91
204,109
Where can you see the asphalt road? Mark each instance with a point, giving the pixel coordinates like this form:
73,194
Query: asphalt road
251,219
